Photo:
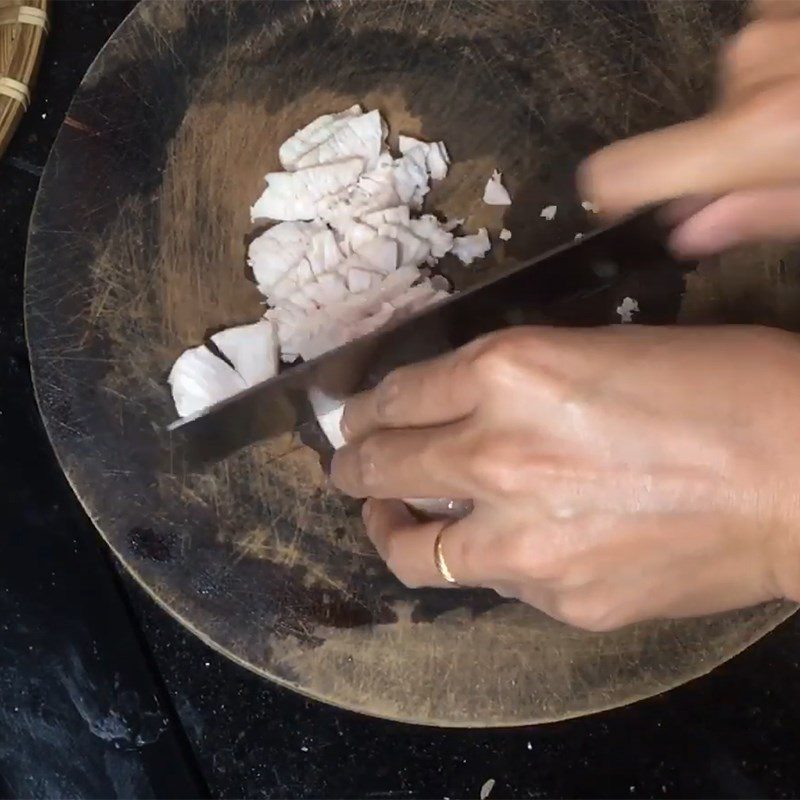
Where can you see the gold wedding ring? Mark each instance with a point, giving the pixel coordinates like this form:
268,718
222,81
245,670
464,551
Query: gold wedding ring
438,558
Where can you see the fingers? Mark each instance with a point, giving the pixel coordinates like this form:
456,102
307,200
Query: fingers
722,153
740,218
655,167
406,545
421,462
430,393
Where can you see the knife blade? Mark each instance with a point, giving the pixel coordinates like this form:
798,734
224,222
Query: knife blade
292,399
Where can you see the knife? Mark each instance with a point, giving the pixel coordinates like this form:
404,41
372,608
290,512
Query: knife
291,400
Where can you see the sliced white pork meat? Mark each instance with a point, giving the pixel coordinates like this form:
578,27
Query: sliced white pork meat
375,190
353,136
397,223
279,251
329,412
199,379
350,251
311,136
437,159
252,349
394,215
351,234
362,280
380,254
469,248
439,239
411,178
324,253
301,195
311,333
413,250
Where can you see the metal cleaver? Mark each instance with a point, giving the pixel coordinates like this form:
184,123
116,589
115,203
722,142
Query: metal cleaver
523,294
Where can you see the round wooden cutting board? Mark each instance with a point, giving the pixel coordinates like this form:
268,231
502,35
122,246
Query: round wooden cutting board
137,249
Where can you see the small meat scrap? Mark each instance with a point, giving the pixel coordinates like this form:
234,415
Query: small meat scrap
549,213
469,248
627,309
495,194
486,789
505,235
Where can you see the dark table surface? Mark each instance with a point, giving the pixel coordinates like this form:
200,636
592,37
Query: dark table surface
102,694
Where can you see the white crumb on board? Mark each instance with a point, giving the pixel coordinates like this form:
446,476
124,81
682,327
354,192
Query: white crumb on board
495,194
468,248
486,789
549,213
590,207
505,235
578,237
627,308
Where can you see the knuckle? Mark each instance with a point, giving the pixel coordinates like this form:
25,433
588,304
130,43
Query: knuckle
368,463
497,359
525,357
495,466
387,394
587,612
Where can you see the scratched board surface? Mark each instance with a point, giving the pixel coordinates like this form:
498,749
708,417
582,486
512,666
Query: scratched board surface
137,250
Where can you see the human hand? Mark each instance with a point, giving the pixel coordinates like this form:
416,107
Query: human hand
737,169
617,475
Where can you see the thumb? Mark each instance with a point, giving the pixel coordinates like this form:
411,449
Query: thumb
740,218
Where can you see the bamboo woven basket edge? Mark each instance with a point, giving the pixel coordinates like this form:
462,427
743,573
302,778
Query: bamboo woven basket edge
21,47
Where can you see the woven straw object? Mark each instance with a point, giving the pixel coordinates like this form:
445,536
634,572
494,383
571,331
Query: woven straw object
23,27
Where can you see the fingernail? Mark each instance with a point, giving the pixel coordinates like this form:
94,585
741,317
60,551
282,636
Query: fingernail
366,510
